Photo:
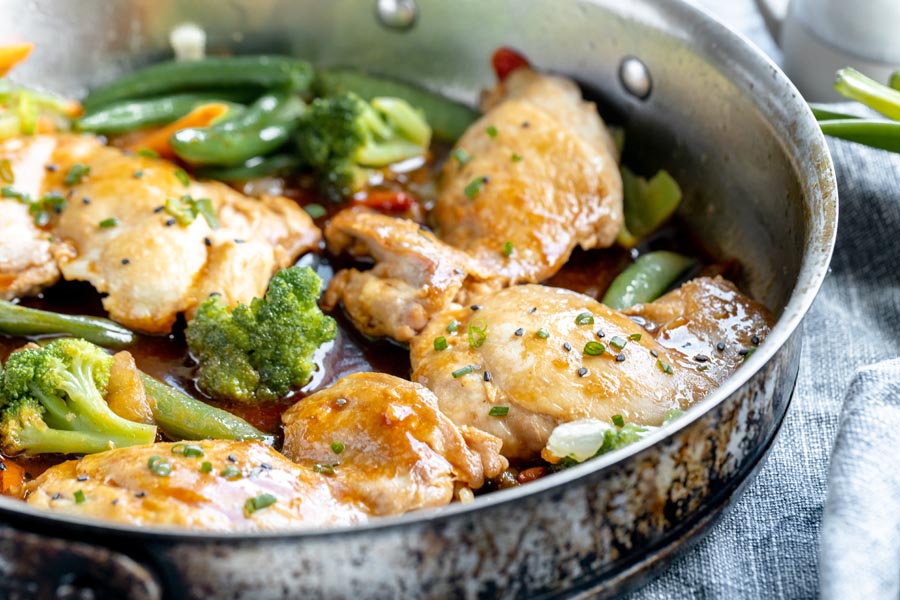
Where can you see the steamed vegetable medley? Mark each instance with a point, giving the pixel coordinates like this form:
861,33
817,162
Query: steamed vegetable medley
243,293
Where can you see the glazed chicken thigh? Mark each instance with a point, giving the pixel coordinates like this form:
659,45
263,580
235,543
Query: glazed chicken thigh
386,445
524,350
540,176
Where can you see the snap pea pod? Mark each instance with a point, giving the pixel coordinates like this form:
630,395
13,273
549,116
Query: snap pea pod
130,115
22,321
236,72
182,417
646,279
265,126
256,167
448,119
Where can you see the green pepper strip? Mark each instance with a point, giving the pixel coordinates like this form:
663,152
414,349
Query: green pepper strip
262,128
130,115
448,119
856,86
256,167
646,279
182,417
646,204
236,72
22,321
876,133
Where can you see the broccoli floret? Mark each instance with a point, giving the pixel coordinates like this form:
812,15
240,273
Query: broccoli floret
341,137
52,401
259,352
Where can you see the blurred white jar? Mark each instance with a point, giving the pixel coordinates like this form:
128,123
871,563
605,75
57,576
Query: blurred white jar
818,37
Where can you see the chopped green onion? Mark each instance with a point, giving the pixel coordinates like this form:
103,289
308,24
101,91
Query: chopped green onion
231,472
463,371
618,342
453,326
474,187
664,367
159,466
440,343
79,496
76,174
461,156
8,191
259,502
138,174
584,318
618,421
148,153
594,348
477,332
491,131
6,172
186,209
206,467
205,208
507,249
323,468
337,447
107,223
516,158
182,177
315,210
543,333
635,336
748,353
188,450
498,411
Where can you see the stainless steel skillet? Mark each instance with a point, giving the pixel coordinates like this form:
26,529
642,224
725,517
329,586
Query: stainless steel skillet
759,186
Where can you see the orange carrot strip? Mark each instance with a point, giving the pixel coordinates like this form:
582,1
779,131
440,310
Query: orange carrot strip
12,478
158,139
12,55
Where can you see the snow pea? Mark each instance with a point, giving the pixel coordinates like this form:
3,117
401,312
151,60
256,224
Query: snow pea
646,279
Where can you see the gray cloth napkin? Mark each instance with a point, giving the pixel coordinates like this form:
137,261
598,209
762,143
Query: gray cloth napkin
860,544
767,546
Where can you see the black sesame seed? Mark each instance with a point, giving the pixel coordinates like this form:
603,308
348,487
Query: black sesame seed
601,334
265,466
487,376
126,261
56,496
231,458
620,357
238,241
51,168
520,332
475,307
341,402
526,124
2,466
582,372
567,346
459,271
654,354
159,209
115,501
485,179
755,340
170,222
82,478
140,494
85,200
532,310
743,351
701,358
720,346
207,241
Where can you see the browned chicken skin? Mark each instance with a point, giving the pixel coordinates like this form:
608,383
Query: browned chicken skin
120,486
150,267
546,378
549,180
397,451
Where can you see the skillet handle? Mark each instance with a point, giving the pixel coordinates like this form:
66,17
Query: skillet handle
37,566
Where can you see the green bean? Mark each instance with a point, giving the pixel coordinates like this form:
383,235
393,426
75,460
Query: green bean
881,134
448,119
256,167
856,86
646,279
646,204
183,417
263,127
21,321
237,72
130,115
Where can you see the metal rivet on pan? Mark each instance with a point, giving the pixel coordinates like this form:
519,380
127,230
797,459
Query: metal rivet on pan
635,77
396,14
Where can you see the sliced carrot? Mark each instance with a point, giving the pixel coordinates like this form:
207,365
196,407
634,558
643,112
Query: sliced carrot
157,140
12,55
12,479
